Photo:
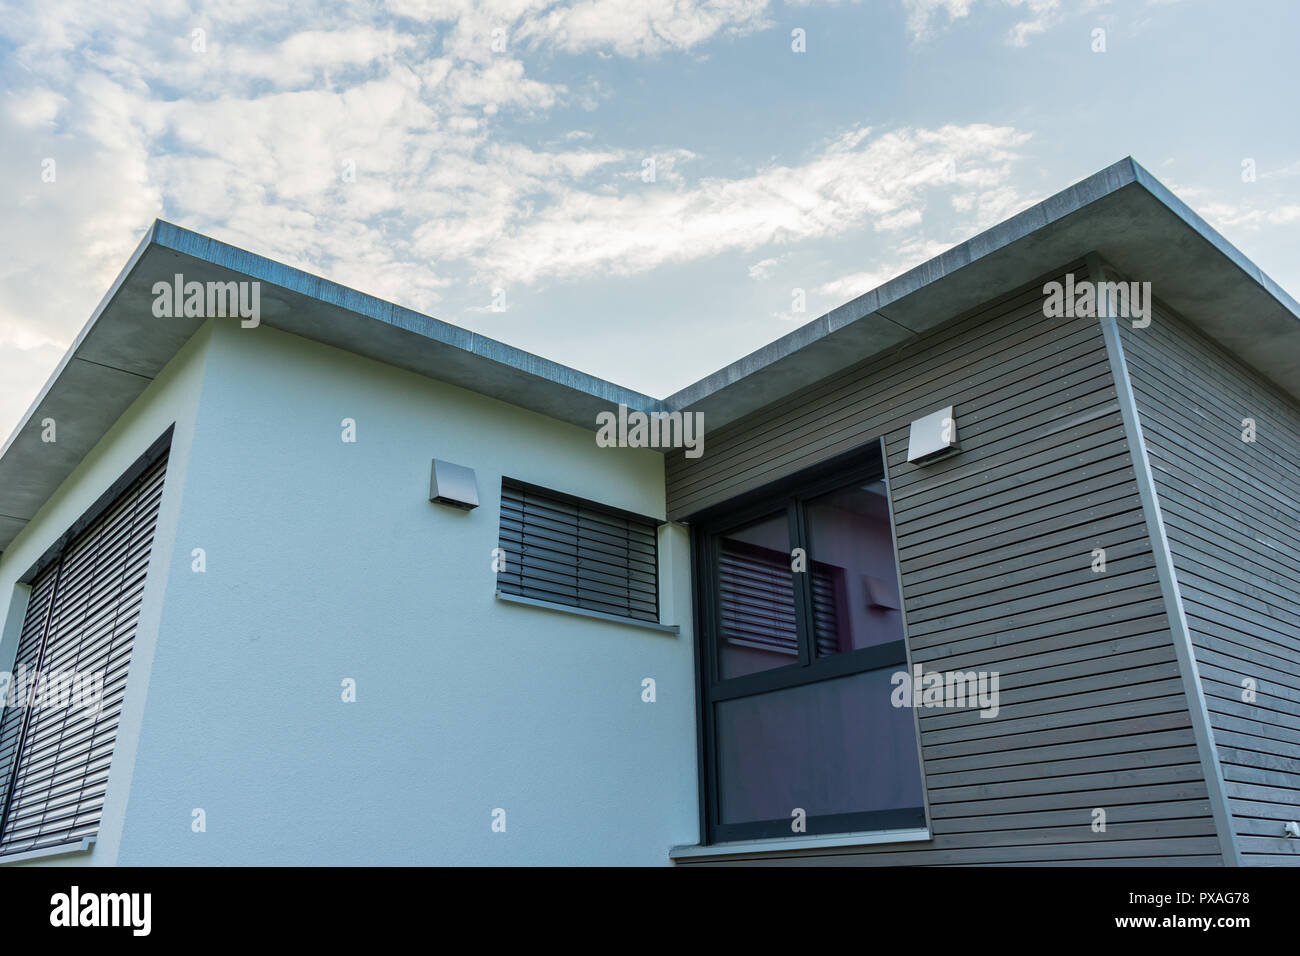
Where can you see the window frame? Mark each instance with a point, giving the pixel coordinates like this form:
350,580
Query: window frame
133,482
653,524
790,494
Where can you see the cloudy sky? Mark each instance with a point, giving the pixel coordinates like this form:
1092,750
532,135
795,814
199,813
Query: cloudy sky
647,180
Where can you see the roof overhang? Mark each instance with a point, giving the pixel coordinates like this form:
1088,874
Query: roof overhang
1121,213
124,347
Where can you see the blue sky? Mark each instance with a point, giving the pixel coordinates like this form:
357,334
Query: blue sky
904,127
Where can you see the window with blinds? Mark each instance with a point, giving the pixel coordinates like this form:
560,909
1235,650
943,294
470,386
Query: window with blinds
59,724
800,638
564,550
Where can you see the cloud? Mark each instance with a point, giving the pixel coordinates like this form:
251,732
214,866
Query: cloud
75,208
854,181
640,27
852,286
912,254
623,27
1256,205
922,14
304,58
35,108
925,17
1041,15
988,207
1281,172
399,152
1247,216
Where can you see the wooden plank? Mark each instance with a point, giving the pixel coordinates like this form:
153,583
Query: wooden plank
1028,757
1116,813
1175,718
1140,758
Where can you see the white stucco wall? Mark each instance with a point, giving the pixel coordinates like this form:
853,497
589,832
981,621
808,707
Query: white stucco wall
325,561
172,399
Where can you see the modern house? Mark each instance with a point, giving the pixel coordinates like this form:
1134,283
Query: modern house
998,563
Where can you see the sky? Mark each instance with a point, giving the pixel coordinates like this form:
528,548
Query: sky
645,190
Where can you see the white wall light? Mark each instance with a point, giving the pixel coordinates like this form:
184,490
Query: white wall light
932,436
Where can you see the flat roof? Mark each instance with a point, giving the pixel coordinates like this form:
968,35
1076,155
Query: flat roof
1122,213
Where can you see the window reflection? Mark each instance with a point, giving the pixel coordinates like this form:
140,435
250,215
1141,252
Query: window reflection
854,582
756,595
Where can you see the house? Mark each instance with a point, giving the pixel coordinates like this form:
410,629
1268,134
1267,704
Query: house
997,563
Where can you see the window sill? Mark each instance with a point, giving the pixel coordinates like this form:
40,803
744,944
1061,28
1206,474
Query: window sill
583,612
784,845
83,845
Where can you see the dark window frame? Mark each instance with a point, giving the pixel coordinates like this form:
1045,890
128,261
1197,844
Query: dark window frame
150,469
791,494
595,508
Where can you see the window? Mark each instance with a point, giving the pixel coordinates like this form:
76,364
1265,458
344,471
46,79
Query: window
58,729
563,550
798,649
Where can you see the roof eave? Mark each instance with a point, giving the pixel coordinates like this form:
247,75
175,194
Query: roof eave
1122,213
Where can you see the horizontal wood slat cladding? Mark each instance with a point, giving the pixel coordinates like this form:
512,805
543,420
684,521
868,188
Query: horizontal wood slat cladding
1232,515
995,550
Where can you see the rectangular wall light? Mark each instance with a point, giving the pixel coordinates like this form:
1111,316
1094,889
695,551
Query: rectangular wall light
932,436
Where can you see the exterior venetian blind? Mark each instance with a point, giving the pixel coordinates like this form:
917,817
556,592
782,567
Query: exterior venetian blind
81,619
568,551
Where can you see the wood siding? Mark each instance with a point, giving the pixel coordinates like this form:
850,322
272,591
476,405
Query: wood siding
995,547
1231,511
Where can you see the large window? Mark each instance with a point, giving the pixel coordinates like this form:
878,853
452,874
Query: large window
801,632
563,550
59,724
